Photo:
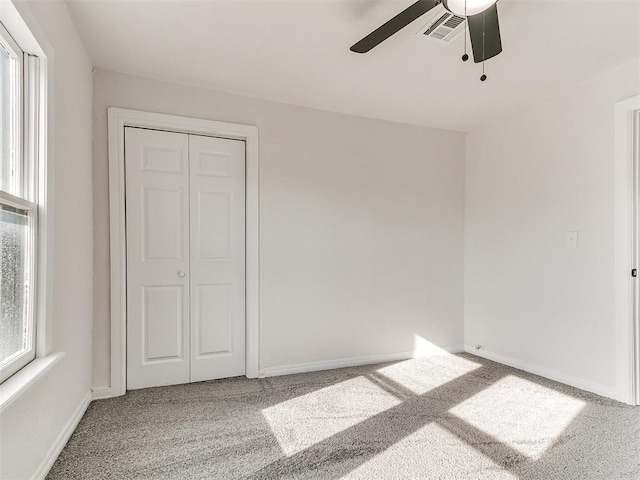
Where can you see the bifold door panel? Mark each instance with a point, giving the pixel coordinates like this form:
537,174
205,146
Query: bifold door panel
217,257
185,257
157,213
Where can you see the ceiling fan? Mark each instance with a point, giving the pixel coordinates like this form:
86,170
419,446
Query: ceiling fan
482,21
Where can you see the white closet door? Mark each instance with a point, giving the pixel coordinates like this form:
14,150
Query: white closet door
157,217
217,199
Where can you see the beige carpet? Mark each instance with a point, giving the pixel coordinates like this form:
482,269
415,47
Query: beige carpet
445,417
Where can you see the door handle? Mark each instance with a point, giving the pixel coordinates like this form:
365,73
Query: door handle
181,274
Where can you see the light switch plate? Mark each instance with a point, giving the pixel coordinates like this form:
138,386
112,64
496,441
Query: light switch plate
572,239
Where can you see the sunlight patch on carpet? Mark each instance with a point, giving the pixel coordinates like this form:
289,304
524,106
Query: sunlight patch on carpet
430,449
523,415
304,421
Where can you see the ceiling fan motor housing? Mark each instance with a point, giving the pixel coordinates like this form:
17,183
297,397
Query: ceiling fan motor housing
467,8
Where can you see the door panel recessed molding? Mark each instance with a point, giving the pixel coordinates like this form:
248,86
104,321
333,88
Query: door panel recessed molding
214,212
162,305
214,164
160,159
214,336
161,214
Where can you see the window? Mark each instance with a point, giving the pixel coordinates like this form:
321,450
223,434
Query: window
18,205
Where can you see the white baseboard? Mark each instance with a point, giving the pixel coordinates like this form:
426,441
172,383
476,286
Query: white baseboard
62,439
356,361
99,393
602,390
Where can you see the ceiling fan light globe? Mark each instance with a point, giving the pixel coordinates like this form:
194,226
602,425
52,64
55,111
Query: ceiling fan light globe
473,7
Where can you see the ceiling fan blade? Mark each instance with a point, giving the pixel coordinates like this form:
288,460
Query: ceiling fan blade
484,30
394,25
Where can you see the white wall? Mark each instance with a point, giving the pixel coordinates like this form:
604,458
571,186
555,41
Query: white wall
361,225
530,178
32,423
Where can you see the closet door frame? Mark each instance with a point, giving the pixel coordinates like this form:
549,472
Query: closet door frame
118,119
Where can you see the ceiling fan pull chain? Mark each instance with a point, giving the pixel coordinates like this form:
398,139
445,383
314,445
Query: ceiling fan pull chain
483,77
465,57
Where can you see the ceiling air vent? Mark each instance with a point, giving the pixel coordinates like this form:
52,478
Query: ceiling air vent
446,27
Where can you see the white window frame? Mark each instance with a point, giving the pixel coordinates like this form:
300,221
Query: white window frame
29,122
9,44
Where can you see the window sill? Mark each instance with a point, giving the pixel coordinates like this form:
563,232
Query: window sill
22,380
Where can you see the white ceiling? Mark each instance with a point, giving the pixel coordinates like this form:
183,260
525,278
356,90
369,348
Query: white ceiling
297,51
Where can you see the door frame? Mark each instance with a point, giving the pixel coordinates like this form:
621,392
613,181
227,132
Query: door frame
627,209
118,119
